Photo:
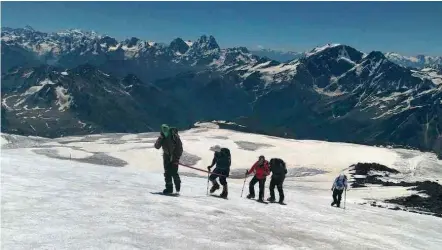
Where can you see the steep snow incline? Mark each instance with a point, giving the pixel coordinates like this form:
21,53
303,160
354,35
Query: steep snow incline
56,204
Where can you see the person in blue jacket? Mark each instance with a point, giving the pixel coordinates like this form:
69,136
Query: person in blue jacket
339,185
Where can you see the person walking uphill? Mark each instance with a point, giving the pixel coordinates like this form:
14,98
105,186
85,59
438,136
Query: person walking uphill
279,171
261,170
338,187
172,146
223,161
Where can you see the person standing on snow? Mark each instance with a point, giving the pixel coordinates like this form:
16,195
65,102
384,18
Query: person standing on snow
261,170
338,187
279,170
223,161
172,146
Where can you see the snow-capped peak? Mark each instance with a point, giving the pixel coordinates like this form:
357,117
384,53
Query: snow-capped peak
28,27
322,48
77,33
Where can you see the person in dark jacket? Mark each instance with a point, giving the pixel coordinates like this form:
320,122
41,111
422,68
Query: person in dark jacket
223,161
261,170
172,146
279,171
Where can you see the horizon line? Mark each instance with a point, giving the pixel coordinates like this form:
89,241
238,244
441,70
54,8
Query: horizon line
250,48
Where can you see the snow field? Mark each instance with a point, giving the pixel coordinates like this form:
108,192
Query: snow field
52,203
49,204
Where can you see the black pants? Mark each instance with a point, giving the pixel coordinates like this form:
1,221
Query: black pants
171,172
277,181
222,179
337,196
261,187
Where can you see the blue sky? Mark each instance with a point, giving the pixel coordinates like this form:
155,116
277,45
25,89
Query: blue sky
406,27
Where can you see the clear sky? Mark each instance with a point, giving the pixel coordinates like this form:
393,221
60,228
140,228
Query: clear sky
406,27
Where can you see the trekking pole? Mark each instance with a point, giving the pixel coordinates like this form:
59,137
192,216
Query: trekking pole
208,176
345,197
245,178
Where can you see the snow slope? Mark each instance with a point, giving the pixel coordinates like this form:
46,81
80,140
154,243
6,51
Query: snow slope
49,201
138,152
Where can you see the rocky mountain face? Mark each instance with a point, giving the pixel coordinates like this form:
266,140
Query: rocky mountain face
416,62
79,82
71,48
335,93
48,101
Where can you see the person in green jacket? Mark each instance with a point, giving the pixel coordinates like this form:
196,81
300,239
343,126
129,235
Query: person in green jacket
172,146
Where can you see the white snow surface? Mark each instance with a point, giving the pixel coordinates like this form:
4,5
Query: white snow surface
35,89
50,203
272,74
321,91
64,100
321,48
430,74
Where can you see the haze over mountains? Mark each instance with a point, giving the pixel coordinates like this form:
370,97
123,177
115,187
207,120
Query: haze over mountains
77,82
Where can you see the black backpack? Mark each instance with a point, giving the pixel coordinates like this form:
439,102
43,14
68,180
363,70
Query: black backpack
177,141
224,158
278,167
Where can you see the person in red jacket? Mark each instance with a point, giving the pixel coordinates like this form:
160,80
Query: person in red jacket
262,170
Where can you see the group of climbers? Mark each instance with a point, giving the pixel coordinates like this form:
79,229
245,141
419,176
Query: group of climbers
261,169
172,146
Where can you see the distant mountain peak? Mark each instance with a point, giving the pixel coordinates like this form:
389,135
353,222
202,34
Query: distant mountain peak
418,61
179,46
322,48
132,41
206,42
376,55
28,27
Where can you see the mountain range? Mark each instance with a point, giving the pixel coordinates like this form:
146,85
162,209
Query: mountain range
417,62
77,82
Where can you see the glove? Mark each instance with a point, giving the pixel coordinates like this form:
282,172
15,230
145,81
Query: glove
209,167
331,189
247,172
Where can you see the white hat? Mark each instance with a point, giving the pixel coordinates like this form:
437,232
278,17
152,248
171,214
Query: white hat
217,148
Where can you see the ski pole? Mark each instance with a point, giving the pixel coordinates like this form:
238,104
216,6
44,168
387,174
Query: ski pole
245,178
208,176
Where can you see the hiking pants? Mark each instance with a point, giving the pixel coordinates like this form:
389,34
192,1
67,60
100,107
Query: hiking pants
277,181
337,196
222,179
261,187
171,173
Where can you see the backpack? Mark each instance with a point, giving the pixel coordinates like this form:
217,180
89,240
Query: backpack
340,182
278,167
174,134
224,159
176,141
